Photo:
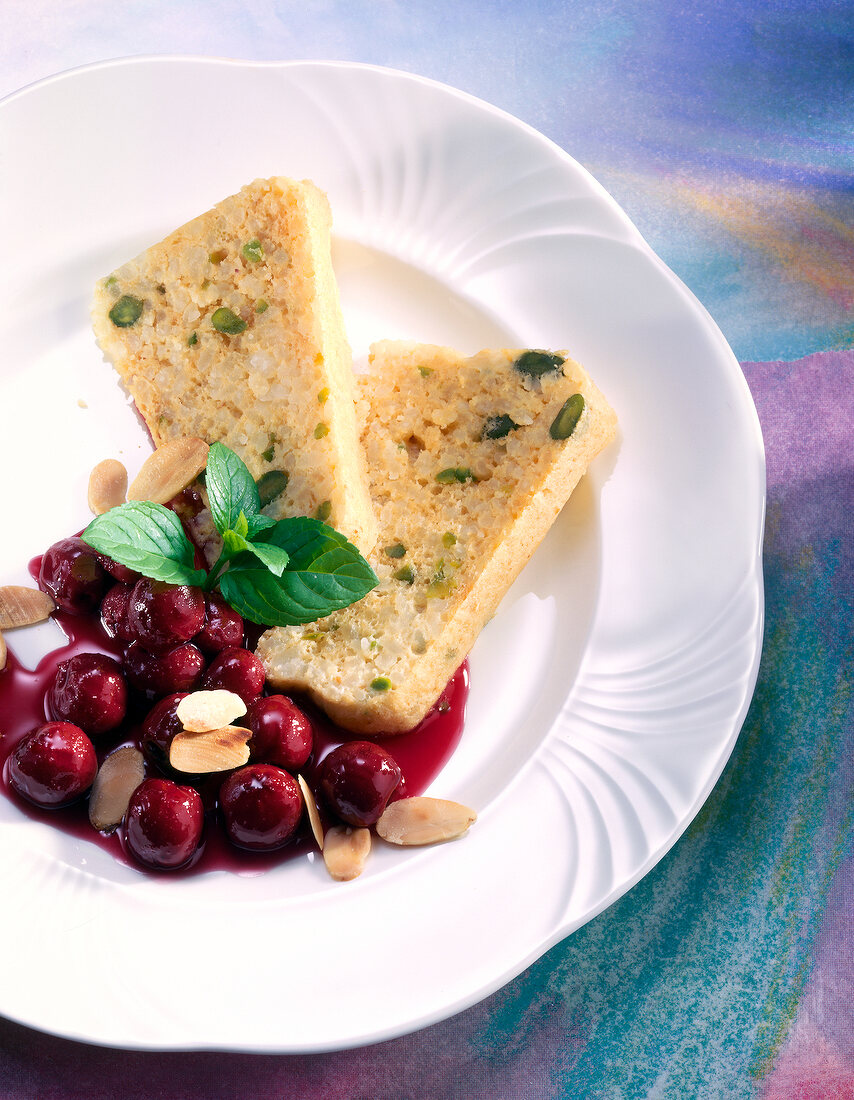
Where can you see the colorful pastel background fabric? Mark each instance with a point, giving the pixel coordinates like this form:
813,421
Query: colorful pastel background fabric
727,134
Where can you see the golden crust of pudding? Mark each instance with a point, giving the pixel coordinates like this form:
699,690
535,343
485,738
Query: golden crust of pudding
470,460
230,330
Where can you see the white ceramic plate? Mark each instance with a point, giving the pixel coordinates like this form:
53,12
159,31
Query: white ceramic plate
608,692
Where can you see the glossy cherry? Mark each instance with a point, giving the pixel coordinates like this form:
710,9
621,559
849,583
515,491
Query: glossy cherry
114,612
71,574
159,727
179,669
223,627
118,571
89,690
162,616
357,779
54,765
163,826
281,732
237,670
261,806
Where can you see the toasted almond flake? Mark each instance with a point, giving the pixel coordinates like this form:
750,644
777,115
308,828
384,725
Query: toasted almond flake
117,779
203,711
22,606
313,812
214,751
424,820
169,470
2,653
345,852
108,486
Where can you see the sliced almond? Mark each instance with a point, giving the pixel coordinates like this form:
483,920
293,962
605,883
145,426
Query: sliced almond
169,470
312,811
22,606
345,851
424,820
117,779
2,653
108,486
203,711
213,751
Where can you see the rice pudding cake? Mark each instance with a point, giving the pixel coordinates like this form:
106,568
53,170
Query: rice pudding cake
230,329
469,460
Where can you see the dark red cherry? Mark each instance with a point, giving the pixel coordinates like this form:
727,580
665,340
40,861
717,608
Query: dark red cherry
236,670
118,571
160,726
163,826
162,616
90,691
281,733
71,574
114,612
357,780
54,765
261,806
178,669
223,627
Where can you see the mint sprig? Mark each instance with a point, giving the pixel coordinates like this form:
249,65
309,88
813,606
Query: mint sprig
148,538
274,573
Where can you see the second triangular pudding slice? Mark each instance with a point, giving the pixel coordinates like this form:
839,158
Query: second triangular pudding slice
469,460
230,329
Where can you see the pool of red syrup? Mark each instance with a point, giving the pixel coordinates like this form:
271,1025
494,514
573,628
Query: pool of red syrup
421,753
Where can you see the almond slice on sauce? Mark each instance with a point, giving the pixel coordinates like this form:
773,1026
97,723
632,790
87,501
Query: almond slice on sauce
312,811
2,653
345,852
117,779
214,751
423,820
108,486
203,711
22,606
169,470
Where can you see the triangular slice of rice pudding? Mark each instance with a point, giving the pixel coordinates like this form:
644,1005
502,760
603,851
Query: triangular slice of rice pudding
230,329
470,460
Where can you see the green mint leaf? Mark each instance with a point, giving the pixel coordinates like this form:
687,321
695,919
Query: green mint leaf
307,541
274,557
148,538
256,524
241,527
231,488
325,573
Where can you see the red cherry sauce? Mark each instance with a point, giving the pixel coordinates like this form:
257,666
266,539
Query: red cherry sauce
421,753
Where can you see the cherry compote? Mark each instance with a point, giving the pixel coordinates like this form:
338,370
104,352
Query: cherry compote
178,669
89,690
357,779
261,806
163,825
54,765
238,670
162,616
281,733
118,680
71,573
223,627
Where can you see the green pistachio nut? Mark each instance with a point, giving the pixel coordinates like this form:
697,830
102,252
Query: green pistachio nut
126,312
226,321
455,474
564,424
498,427
271,485
534,364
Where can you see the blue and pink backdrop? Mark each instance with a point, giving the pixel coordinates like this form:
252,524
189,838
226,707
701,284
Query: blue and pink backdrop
726,132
